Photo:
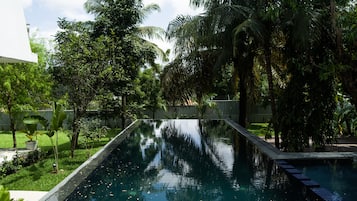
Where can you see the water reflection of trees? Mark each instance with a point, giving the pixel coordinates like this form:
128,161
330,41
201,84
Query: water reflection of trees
161,159
252,172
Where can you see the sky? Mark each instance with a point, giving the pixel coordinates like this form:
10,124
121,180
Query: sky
42,15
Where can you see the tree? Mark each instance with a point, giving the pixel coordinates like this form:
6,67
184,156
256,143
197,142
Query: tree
346,37
175,83
24,86
128,49
214,31
56,125
80,67
307,105
151,93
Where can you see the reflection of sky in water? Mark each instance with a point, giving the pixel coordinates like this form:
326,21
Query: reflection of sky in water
144,144
188,128
173,181
224,155
219,151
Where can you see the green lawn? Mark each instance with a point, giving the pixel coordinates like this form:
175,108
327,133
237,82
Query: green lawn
39,176
259,129
43,140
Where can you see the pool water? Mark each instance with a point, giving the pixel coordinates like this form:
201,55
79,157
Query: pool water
339,176
186,160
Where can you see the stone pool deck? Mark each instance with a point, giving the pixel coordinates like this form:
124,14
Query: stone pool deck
27,195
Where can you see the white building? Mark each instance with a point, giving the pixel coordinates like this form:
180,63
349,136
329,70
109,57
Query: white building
14,39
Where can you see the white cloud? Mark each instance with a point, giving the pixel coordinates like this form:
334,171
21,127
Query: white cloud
183,7
72,9
179,7
26,3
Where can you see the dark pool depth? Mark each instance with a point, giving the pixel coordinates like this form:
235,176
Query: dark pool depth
186,160
339,176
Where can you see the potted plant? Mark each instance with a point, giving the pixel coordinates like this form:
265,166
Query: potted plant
31,123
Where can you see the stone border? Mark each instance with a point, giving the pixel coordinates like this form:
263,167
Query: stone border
61,191
310,188
276,154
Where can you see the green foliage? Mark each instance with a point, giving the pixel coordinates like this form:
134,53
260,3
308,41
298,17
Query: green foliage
127,51
4,194
39,175
18,162
149,91
92,132
345,117
56,126
31,123
24,86
204,104
81,67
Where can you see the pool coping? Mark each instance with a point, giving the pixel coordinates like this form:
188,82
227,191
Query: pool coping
309,187
276,154
62,190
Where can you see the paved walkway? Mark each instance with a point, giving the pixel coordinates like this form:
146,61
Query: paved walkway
27,195
8,154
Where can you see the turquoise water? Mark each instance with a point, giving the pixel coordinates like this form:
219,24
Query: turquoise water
186,160
340,177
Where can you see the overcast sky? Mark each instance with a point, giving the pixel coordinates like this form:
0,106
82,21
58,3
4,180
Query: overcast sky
42,15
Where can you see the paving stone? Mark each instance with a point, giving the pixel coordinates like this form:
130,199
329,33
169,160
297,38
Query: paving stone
310,183
323,194
286,166
300,176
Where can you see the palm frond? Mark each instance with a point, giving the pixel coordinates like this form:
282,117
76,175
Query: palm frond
147,10
151,32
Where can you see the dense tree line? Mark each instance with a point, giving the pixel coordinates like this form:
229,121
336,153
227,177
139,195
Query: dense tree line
304,48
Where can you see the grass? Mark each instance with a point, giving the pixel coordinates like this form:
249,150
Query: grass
44,141
40,176
259,129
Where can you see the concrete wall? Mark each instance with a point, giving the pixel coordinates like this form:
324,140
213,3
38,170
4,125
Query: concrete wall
222,110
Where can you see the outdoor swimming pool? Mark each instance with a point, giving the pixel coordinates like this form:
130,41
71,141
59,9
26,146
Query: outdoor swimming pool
339,176
186,160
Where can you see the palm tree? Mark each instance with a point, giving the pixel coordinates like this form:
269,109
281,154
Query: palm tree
213,32
262,27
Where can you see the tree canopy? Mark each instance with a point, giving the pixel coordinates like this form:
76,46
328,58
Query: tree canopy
25,86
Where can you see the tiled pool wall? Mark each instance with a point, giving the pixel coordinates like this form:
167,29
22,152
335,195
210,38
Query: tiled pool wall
68,185
311,190
277,170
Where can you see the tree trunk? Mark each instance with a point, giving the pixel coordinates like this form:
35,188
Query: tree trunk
244,64
75,129
13,130
12,123
153,110
123,104
242,101
271,94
